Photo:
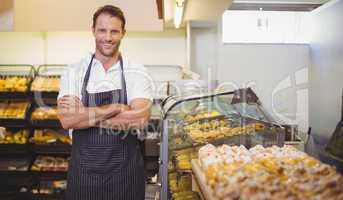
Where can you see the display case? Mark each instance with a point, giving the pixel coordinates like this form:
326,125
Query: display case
192,121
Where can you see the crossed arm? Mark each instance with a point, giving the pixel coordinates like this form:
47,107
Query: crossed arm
74,115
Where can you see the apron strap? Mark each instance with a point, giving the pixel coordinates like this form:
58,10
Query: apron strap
84,92
123,82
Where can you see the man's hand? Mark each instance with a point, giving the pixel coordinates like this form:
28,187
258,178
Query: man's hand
70,102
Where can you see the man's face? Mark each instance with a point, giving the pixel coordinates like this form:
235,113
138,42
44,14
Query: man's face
108,34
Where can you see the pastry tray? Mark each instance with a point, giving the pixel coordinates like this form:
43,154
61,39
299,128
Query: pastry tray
272,135
17,71
200,179
17,123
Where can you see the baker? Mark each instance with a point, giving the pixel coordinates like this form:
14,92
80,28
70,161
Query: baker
102,98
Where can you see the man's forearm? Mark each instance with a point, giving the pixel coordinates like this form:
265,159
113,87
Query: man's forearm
124,124
72,118
127,120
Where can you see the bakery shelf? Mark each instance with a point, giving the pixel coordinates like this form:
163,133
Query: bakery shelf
51,175
14,149
55,148
15,95
15,81
14,123
14,195
17,122
49,123
43,95
47,117
47,196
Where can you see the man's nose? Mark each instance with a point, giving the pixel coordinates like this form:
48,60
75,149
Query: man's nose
108,36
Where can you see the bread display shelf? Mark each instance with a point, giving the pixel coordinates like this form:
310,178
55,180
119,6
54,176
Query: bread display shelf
43,94
51,175
49,123
15,95
52,148
200,178
47,196
19,121
14,149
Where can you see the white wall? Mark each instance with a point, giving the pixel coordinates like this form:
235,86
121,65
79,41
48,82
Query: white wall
21,48
277,73
326,72
168,47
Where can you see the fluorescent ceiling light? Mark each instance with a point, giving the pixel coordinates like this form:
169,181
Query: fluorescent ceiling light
178,14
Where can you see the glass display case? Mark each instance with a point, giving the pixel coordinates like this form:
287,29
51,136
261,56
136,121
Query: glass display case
217,118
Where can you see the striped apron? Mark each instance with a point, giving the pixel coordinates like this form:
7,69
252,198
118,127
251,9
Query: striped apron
105,164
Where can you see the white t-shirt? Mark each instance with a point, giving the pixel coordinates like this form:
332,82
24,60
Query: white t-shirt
138,82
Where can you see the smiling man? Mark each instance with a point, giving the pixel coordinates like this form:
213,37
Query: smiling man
102,98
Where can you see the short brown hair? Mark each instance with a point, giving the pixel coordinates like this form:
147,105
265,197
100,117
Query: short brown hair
110,10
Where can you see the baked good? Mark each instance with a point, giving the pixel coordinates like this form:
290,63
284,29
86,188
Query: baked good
46,84
270,173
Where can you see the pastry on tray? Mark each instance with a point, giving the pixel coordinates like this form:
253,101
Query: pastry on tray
234,172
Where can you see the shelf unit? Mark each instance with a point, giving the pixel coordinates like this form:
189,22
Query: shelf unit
19,183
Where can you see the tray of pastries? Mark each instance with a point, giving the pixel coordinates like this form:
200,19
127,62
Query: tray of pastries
234,172
203,116
14,164
13,110
51,141
46,84
201,132
44,113
14,83
49,163
13,137
15,80
50,187
50,136
45,117
14,114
